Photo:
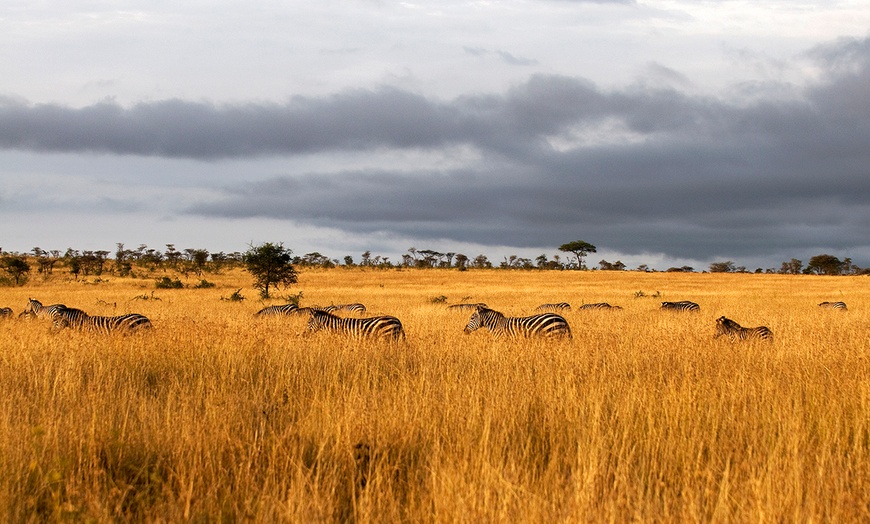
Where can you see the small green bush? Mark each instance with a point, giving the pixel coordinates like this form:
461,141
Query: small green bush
168,283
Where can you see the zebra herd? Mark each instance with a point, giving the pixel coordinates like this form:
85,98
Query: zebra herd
548,323
62,317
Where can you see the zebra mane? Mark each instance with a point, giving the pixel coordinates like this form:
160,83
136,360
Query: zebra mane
728,323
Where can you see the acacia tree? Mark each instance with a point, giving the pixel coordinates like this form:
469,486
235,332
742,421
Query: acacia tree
16,266
580,250
270,265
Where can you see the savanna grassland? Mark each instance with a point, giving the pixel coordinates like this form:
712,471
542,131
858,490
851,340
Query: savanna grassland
217,416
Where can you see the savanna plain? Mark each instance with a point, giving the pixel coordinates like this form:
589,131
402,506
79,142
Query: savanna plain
641,417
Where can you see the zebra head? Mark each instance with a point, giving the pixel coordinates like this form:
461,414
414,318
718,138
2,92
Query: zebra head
482,317
319,319
725,326
32,306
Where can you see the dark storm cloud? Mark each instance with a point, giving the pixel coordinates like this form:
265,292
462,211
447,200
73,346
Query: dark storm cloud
636,170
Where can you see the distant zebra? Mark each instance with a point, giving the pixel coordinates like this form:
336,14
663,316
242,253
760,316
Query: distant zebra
284,309
726,326
833,305
544,324
460,307
558,306
599,305
78,319
380,327
683,305
34,308
355,307
6,312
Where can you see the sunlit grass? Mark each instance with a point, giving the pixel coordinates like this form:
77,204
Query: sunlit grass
643,416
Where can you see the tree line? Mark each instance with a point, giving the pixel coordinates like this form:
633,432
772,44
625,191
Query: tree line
144,260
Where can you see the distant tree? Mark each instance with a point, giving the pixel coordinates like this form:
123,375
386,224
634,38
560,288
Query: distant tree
825,265
348,261
16,266
792,267
270,265
580,249
481,262
722,267
461,261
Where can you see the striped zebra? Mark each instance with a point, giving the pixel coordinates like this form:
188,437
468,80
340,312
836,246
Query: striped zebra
833,305
683,305
463,306
35,309
78,319
6,312
355,307
284,309
726,326
558,306
544,324
380,327
599,305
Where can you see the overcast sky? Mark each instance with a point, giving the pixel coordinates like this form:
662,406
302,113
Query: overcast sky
670,133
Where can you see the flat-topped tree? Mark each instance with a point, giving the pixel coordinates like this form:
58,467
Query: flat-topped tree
580,249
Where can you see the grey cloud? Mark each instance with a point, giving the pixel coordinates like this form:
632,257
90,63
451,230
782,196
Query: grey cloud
701,177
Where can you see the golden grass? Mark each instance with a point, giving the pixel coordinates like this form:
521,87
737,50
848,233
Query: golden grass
642,417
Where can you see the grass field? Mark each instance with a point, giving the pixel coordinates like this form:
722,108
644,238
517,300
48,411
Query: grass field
216,416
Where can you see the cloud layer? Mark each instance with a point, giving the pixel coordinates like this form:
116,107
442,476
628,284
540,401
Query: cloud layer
770,170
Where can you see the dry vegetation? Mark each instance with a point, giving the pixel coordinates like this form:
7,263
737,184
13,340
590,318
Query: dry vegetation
642,417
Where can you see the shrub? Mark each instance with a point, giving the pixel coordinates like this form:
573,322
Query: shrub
168,283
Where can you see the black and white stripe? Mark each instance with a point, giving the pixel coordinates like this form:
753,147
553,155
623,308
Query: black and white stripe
557,306
355,307
683,305
35,309
78,319
283,309
380,327
726,326
833,305
599,305
545,324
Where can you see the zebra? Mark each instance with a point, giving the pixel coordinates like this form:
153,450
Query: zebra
6,312
726,326
599,305
380,327
459,307
683,305
78,319
284,309
558,306
355,307
35,309
544,324
833,305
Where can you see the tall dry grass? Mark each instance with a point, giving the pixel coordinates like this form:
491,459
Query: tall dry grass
642,417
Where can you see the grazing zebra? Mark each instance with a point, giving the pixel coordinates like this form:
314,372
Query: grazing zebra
6,312
544,324
380,327
833,305
34,308
355,307
284,309
460,307
558,306
726,326
683,305
78,319
599,305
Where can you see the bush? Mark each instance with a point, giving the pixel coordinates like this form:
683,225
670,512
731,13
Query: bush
204,284
168,283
